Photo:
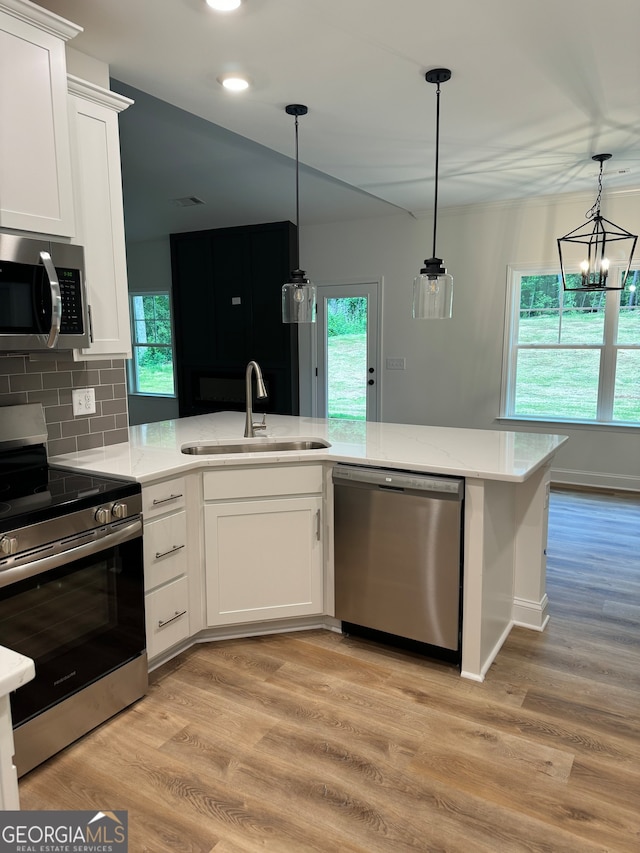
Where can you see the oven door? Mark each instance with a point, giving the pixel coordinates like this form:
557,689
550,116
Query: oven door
78,614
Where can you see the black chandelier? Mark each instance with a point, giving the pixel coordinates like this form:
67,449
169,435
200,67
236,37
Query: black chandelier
433,288
587,248
298,294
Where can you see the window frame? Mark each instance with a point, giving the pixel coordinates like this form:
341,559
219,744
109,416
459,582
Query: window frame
608,351
132,378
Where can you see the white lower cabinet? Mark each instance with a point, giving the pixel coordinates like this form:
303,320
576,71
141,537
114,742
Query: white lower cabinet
263,548
166,565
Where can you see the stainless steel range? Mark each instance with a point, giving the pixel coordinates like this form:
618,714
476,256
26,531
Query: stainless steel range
71,590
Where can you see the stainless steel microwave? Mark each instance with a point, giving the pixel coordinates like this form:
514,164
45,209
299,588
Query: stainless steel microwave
43,304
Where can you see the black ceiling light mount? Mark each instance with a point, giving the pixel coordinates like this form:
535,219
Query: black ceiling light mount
433,288
298,294
585,251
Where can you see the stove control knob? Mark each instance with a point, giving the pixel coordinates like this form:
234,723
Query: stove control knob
9,545
102,515
119,510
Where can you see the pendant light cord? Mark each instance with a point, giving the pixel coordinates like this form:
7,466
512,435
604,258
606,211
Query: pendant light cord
435,201
297,202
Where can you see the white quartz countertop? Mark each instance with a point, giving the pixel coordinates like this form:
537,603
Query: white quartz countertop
15,670
154,450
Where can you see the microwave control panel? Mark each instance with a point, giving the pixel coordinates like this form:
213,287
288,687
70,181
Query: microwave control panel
71,295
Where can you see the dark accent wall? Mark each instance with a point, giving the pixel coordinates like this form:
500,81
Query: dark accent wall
227,300
50,382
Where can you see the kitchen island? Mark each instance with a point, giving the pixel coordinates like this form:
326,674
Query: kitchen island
507,477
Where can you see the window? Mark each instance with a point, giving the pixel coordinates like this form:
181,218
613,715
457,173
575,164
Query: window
571,355
151,366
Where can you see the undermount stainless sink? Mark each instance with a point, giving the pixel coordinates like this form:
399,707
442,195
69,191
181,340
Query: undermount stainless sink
259,445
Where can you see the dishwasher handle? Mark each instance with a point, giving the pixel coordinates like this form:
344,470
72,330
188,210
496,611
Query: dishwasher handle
386,478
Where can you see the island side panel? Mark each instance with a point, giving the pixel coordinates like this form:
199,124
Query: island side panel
489,556
530,603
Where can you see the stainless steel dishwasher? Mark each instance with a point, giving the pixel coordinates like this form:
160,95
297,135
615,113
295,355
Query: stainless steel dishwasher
398,554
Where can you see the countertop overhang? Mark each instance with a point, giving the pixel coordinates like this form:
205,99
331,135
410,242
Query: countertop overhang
155,450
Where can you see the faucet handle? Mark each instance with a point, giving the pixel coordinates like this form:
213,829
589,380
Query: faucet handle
263,425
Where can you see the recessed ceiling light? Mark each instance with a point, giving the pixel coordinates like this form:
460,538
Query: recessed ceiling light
224,5
234,82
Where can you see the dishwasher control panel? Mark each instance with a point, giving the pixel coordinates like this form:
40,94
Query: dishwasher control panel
392,479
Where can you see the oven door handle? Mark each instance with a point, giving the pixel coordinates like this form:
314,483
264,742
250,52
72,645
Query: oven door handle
32,568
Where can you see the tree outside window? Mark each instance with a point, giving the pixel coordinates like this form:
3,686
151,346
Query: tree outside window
151,369
571,355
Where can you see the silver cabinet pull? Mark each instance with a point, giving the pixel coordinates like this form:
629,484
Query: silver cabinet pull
318,525
170,551
56,299
178,614
157,501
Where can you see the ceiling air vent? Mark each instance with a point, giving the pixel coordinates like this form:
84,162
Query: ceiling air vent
187,201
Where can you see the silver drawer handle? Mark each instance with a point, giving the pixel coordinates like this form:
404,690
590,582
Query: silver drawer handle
166,500
162,624
170,551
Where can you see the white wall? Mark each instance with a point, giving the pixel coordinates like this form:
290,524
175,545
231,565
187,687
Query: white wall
453,367
86,67
149,269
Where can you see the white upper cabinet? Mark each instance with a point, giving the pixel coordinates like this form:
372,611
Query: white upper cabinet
35,165
97,182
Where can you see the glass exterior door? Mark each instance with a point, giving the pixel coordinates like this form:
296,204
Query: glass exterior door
347,357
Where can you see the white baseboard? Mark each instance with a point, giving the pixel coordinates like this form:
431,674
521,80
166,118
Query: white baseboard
594,480
252,629
479,676
530,614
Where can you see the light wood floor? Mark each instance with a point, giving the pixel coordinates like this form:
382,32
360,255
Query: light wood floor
315,742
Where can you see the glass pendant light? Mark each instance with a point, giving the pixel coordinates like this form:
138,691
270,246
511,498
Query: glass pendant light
298,294
433,288
587,247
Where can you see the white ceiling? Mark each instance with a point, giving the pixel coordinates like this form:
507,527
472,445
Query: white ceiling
537,88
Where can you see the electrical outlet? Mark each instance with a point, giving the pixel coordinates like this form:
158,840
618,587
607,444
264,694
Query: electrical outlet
84,401
396,363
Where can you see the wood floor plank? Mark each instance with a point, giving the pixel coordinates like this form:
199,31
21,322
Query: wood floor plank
514,786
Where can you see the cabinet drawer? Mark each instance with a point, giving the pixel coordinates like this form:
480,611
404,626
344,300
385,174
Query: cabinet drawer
165,549
267,481
167,616
163,497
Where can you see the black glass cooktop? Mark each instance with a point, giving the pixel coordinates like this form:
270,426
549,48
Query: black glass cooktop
31,490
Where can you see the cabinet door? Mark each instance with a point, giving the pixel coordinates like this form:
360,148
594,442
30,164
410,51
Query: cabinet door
100,216
35,164
263,560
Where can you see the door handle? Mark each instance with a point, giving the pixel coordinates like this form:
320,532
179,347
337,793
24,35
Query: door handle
56,299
